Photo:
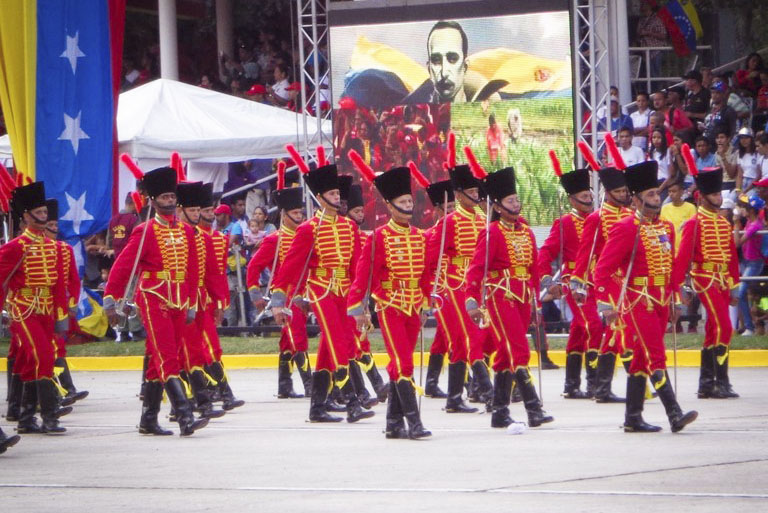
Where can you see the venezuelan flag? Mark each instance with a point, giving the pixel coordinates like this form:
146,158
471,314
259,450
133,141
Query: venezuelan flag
91,318
59,79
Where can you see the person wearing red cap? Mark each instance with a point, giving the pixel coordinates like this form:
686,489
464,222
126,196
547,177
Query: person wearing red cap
393,271
34,287
166,264
642,248
504,263
707,251
562,245
257,93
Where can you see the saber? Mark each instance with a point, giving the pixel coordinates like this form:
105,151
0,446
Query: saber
560,257
537,343
127,300
443,229
484,296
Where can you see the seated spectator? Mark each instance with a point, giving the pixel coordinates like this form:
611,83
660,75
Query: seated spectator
641,119
762,168
618,119
748,160
735,102
748,78
750,243
678,169
696,98
659,151
760,116
675,118
727,158
251,68
720,117
659,102
224,222
257,93
704,158
631,154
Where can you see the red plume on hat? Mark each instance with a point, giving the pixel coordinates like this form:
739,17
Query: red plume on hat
688,158
416,174
6,181
451,162
555,163
364,169
294,153
178,165
474,165
138,202
321,159
280,175
19,179
4,204
618,161
586,152
132,167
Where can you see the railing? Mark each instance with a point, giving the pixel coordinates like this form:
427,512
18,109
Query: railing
642,59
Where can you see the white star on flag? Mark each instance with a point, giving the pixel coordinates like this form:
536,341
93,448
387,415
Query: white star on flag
72,53
79,258
76,213
72,131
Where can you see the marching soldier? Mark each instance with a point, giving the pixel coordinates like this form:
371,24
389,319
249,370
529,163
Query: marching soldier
465,341
707,249
438,193
34,285
504,263
323,252
563,243
208,289
352,198
394,259
163,254
214,308
642,245
617,339
293,343
72,277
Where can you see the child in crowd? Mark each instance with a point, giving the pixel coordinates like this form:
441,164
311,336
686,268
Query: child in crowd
748,160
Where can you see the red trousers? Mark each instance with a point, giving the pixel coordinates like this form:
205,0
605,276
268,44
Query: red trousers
13,347
361,344
336,340
293,337
211,340
465,342
509,324
165,329
718,329
616,341
36,349
194,351
440,342
401,333
649,325
586,326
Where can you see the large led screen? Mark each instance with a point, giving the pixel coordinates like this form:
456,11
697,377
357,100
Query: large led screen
501,83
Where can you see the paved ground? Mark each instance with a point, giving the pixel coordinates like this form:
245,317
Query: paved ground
264,457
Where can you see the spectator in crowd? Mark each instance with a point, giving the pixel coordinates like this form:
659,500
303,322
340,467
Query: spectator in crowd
735,101
704,157
618,119
278,92
706,77
721,117
762,162
760,117
120,227
678,169
659,151
251,68
727,158
641,119
650,32
748,166
205,82
225,224
659,102
238,212
257,93
236,88
630,153
494,138
677,211
750,243
675,118
748,78
696,97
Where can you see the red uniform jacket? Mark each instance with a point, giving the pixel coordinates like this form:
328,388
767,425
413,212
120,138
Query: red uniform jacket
461,235
212,286
265,255
69,267
573,225
511,263
652,267
711,257
604,219
168,264
400,277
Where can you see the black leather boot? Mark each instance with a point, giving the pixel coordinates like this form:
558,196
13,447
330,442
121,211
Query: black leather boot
723,387
435,366
321,384
144,367
573,377
183,407
377,382
301,360
284,379
606,363
483,385
65,380
153,396
346,384
48,396
202,397
395,421
228,400
707,373
590,371
536,415
626,360
456,375
363,395
8,373
14,398
335,400
7,441
546,361
407,395
27,420
502,391
633,416
677,419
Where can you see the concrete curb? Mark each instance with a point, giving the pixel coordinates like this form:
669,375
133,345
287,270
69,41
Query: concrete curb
685,358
